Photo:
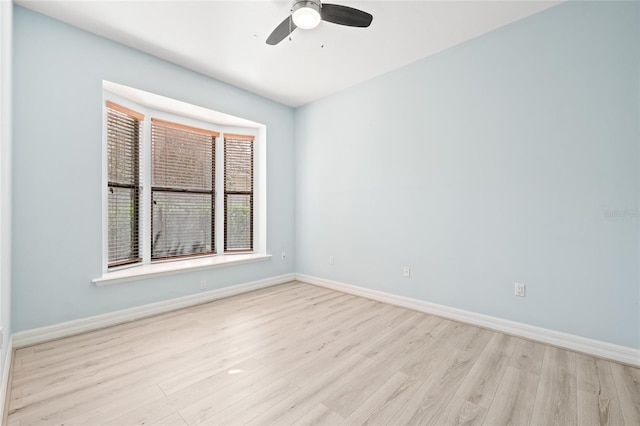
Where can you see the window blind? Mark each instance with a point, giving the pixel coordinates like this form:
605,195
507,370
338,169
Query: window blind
182,190
123,198
238,193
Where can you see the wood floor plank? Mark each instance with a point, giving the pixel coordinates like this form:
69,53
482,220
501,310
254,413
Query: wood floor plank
183,376
438,388
47,398
301,324
527,356
245,409
323,358
107,406
222,397
171,420
303,321
627,381
294,407
23,352
302,354
238,309
513,401
71,363
398,316
320,416
415,326
482,381
155,411
430,358
60,352
475,339
257,298
43,390
381,396
189,352
460,412
556,399
390,352
352,395
597,396
271,352
268,310
66,408
323,333
90,338
391,406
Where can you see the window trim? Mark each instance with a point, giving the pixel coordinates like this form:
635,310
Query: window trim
151,108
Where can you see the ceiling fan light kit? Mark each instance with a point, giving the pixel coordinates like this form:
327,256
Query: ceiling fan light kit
307,14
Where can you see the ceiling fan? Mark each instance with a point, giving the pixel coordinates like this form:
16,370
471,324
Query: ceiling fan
307,14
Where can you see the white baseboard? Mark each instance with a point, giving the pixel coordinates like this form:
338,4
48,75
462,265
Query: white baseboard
65,329
6,370
556,338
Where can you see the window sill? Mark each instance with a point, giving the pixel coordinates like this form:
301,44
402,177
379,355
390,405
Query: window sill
176,267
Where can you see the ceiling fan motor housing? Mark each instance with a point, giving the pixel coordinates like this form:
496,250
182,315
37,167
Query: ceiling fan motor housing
306,13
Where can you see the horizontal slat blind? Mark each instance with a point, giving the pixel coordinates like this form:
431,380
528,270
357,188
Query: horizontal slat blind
182,179
238,193
123,153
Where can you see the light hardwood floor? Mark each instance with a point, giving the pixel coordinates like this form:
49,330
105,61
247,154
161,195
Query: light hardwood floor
300,354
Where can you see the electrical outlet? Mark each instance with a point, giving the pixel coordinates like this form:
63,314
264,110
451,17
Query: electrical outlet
330,260
406,271
284,256
519,290
203,284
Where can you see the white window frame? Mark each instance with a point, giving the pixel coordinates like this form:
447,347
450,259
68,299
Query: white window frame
156,106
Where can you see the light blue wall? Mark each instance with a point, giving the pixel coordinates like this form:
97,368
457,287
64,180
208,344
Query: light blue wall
58,73
6,36
490,163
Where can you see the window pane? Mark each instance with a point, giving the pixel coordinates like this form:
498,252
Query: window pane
238,221
238,160
182,159
122,137
182,177
123,224
238,197
182,224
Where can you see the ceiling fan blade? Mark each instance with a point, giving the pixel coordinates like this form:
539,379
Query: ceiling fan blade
285,28
345,15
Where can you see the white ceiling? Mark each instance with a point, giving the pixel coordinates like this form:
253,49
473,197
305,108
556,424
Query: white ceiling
226,39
